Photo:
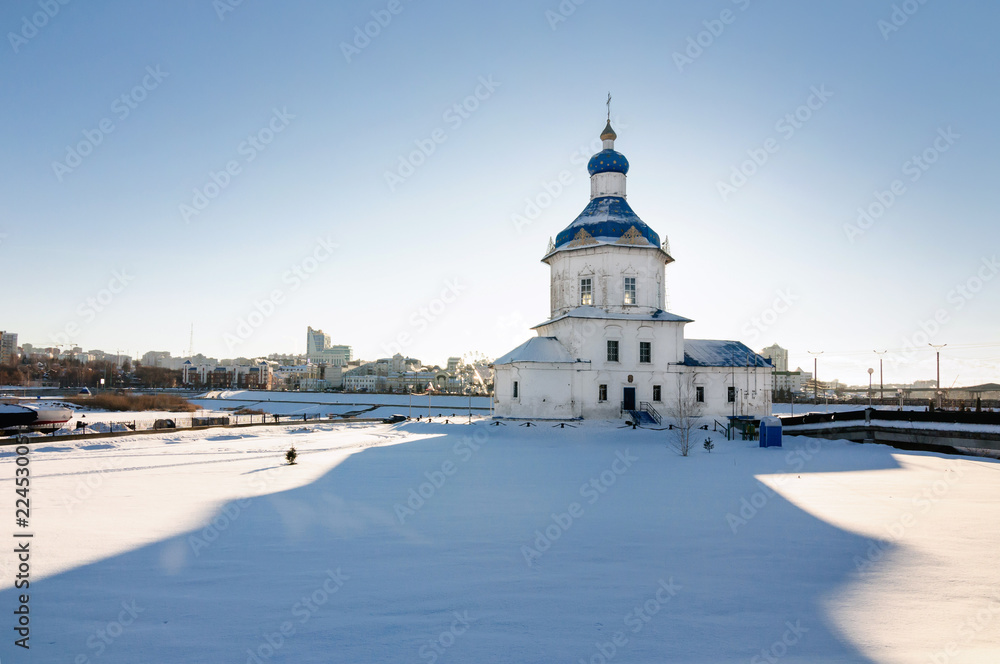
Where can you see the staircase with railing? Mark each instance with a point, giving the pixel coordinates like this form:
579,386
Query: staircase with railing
648,408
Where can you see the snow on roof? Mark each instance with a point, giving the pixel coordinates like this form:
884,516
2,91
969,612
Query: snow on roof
720,353
594,312
538,349
606,219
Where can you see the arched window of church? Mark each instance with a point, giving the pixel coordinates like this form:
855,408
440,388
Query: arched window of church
629,290
586,292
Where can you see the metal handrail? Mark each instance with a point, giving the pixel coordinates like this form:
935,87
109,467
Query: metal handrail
648,407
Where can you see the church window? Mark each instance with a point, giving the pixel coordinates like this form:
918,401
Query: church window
699,394
602,392
612,350
645,352
515,389
656,393
586,292
629,290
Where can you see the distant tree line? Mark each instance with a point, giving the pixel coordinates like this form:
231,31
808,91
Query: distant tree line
73,373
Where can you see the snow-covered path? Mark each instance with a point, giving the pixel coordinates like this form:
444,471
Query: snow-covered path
453,543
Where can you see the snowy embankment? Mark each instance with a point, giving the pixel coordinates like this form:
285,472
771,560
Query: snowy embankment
900,424
806,408
438,543
290,405
341,403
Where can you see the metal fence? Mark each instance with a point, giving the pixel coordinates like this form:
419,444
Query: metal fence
963,417
174,422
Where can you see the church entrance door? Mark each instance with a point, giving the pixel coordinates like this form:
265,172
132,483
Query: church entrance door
629,398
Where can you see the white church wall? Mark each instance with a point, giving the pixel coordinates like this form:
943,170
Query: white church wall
595,386
751,396
607,267
563,391
544,391
607,184
587,339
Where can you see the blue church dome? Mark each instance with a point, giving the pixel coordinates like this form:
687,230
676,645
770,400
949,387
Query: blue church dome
608,161
607,220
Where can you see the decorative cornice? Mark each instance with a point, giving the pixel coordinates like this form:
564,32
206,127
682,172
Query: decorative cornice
632,236
582,239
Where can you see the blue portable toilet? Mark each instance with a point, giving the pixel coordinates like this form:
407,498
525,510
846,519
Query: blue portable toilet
770,432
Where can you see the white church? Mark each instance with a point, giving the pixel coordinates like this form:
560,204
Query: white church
609,348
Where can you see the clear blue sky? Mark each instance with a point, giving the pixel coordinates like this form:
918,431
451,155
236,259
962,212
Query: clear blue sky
327,126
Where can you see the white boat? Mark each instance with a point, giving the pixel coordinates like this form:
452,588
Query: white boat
33,416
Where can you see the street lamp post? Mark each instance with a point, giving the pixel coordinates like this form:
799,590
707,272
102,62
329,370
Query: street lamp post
937,348
870,372
881,385
815,355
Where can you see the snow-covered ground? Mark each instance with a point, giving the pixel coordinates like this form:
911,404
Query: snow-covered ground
323,403
803,408
289,404
437,400
454,543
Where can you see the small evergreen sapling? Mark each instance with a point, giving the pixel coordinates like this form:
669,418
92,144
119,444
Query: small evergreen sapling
290,455
709,445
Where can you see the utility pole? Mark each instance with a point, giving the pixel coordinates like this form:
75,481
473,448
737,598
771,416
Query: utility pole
881,385
937,348
815,355
870,372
